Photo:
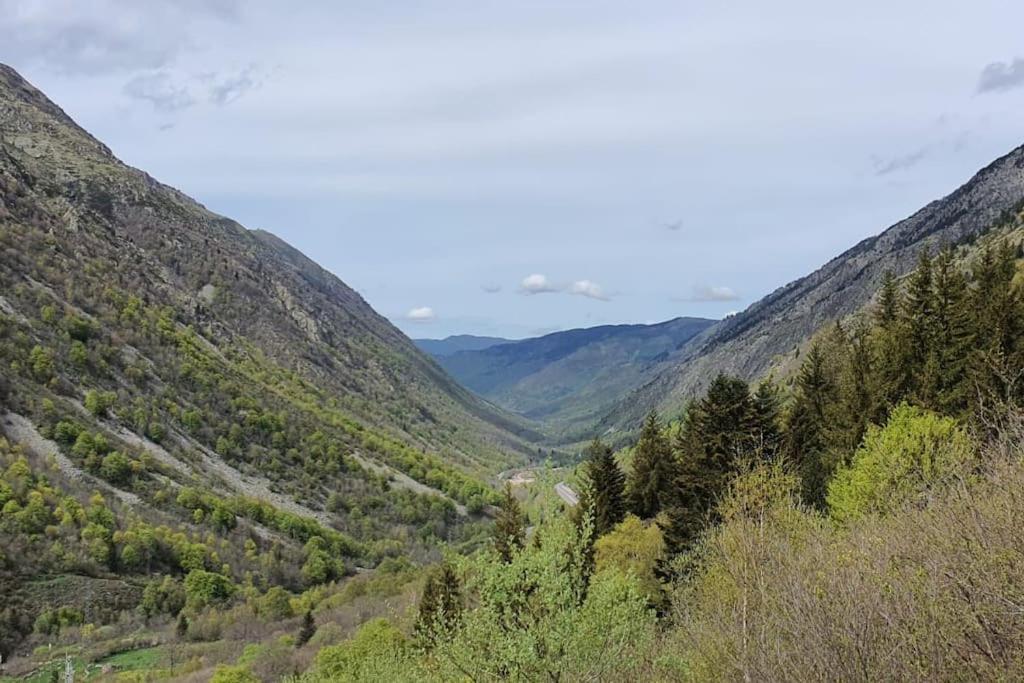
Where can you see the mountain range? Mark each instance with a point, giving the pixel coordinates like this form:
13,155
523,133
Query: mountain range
567,380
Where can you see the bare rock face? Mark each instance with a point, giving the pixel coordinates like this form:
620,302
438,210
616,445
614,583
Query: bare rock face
746,344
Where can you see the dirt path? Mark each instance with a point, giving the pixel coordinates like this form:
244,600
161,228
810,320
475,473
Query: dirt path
567,494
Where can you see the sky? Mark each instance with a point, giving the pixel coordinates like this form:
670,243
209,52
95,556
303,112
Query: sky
516,168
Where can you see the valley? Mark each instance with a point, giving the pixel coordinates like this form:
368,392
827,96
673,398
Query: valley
219,462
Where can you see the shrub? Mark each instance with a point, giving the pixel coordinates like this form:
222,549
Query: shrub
898,463
203,588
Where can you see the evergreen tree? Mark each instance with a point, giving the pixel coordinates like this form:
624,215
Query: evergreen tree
604,488
181,628
858,390
440,608
919,320
307,630
651,486
888,309
767,404
509,527
807,428
953,335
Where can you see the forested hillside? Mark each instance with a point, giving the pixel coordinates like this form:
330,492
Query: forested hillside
749,343
860,526
189,403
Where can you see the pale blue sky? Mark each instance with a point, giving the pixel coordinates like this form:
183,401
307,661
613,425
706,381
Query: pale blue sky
646,160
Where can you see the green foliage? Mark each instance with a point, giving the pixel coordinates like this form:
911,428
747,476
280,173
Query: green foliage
635,548
898,463
378,647
233,674
440,608
603,494
203,588
163,596
652,485
509,527
99,402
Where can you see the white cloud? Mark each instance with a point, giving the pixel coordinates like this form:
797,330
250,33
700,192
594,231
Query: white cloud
538,284
422,314
707,293
590,289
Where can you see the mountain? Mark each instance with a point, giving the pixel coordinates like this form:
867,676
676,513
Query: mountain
439,348
749,343
151,346
567,380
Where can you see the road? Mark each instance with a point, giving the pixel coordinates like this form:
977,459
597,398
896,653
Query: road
567,494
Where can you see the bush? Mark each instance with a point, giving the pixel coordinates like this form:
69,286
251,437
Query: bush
898,463
203,588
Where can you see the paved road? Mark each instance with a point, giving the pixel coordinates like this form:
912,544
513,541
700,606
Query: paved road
567,494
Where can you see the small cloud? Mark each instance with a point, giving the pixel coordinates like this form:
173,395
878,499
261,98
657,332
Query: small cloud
230,88
674,226
423,314
491,288
588,289
1001,76
899,163
538,284
707,293
160,90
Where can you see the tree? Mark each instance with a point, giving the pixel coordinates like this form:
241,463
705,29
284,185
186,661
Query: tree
651,486
440,608
603,493
181,628
807,438
897,463
509,526
766,414
952,335
637,548
307,630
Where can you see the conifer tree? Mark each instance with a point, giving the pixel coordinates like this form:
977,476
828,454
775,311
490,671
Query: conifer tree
919,320
440,608
651,486
181,628
767,404
509,526
307,630
807,437
952,335
604,488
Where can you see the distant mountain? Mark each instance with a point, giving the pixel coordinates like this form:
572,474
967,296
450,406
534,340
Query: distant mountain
749,343
459,342
567,380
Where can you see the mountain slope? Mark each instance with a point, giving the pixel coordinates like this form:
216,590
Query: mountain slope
458,342
568,379
748,343
181,364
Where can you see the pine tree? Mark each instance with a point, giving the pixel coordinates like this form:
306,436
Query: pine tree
307,630
953,335
766,412
807,428
509,527
181,628
440,608
919,320
858,389
604,485
652,485
887,311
